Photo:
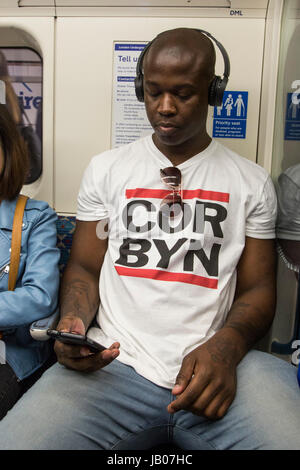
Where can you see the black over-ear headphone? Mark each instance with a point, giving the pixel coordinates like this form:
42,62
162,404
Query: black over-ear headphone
217,86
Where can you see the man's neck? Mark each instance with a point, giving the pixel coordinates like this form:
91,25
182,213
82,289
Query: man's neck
181,153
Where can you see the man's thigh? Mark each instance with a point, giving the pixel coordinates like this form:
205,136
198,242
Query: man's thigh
265,413
113,408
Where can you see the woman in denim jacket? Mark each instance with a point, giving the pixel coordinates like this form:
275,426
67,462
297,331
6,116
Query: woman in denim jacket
36,291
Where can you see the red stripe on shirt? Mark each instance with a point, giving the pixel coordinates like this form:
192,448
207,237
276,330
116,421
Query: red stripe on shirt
168,276
186,194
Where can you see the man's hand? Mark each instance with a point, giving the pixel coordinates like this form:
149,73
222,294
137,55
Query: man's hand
78,357
206,383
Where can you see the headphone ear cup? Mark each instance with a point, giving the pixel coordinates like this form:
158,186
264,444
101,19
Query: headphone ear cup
220,91
139,87
216,91
212,92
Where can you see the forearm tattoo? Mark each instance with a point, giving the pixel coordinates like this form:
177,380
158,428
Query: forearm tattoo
79,298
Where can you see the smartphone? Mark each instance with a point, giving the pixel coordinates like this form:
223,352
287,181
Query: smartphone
76,340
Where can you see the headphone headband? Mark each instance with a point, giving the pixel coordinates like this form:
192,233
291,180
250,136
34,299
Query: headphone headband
217,87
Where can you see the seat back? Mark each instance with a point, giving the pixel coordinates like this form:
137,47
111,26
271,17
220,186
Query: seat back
65,228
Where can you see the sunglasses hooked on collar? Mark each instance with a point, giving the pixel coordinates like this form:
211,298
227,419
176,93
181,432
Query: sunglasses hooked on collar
172,204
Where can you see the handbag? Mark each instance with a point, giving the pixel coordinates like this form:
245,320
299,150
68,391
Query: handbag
15,247
34,149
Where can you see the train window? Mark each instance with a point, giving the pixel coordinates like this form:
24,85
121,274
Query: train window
21,69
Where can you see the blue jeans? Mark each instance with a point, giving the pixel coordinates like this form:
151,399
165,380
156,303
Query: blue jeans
116,409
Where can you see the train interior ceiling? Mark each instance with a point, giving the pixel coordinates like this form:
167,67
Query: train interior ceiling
72,63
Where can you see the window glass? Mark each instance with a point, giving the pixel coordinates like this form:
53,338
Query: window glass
21,70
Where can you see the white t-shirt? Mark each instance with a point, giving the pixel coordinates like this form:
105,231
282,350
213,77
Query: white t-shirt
164,291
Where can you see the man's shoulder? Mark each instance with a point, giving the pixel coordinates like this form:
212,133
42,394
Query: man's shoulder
292,174
242,164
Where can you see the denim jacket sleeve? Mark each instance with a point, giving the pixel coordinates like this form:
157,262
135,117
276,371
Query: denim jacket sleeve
36,292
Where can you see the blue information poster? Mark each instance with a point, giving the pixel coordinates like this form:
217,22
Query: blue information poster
292,118
230,119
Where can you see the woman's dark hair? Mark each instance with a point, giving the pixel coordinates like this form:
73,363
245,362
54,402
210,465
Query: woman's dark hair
14,149
3,65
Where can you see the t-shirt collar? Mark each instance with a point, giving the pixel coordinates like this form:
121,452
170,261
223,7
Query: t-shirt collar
165,162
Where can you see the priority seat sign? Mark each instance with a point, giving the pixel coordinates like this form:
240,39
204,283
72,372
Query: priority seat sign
292,118
230,119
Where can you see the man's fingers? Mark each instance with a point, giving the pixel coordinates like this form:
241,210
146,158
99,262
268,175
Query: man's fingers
203,400
91,362
115,345
86,351
212,404
109,354
184,376
189,395
218,407
83,359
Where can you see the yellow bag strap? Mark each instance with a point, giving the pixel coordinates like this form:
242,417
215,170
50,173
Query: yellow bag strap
15,247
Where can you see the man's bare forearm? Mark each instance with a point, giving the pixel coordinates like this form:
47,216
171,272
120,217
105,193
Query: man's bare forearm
250,318
79,294
249,321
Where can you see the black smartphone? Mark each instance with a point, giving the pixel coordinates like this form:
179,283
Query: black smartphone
76,340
